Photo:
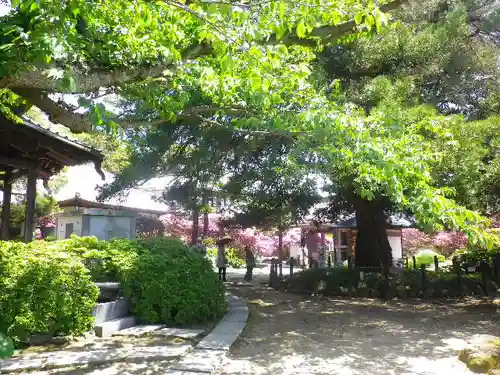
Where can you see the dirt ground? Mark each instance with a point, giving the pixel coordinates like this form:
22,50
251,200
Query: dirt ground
293,334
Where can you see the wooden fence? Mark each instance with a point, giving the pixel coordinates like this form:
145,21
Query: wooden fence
489,270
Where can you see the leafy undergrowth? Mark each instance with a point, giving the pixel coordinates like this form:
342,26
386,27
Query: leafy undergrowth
406,283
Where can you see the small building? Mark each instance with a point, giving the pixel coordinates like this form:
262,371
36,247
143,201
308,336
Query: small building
104,221
29,150
344,235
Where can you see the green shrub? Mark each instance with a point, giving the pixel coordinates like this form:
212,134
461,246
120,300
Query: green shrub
43,290
165,280
95,255
46,287
406,282
235,258
426,258
6,346
169,282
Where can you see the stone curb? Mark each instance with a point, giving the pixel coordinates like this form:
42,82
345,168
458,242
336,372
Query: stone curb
45,361
208,355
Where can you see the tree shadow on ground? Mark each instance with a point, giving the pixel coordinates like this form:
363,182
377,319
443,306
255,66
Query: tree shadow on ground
296,334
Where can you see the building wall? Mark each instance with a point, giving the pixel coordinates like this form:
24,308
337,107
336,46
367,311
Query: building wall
108,227
61,226
395,240
394,236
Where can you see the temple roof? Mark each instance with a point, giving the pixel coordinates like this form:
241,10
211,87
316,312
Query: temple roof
27,145
83,203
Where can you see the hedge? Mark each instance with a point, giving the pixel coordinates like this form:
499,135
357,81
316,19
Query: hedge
43,291
406,283
48,287
165,280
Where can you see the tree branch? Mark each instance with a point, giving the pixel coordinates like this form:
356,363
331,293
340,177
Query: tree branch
328,34
36,83
188,113
48,79
41,79
58,112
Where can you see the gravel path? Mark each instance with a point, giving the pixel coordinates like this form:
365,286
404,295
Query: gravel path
292,334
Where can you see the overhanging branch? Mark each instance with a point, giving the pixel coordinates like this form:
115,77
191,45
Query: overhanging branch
58,112
84,82
49,79
36,83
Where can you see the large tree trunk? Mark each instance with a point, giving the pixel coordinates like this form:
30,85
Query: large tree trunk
372,245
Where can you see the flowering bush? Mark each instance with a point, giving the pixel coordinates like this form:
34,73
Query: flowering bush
262,243
47,221
446,243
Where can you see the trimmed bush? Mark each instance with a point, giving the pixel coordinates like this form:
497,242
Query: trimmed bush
170,282
43,291
165,280
47,287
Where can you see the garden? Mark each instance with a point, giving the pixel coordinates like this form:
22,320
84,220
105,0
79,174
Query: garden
50,288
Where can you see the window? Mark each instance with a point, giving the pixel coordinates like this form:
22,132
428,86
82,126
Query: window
69,230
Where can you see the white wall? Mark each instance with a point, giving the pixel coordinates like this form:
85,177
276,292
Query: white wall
108,227
295,250
396,246
61,226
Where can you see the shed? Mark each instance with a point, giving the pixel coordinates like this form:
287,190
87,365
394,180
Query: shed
27,149
104,221
344,234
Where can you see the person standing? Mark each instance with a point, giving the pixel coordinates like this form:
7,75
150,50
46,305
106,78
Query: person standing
222,261
250,261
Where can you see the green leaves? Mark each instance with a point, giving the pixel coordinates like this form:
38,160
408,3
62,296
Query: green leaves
301,30
358,18
44,289
68,83
6,346
226,62
255,81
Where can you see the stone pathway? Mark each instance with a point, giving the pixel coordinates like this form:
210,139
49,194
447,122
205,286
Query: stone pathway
208,355
292,334
57,359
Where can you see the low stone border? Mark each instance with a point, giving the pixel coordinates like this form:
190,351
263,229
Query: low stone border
44,361
208,355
